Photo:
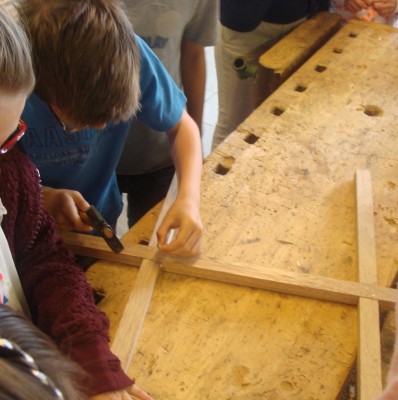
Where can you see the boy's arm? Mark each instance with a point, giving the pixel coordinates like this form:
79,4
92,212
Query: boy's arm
184,214
193,74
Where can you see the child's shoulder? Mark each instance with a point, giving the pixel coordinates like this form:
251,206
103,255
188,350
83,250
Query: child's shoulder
18,172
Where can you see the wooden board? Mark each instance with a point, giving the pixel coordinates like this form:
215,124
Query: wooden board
115,280
369,350
280,193
248,275
136,308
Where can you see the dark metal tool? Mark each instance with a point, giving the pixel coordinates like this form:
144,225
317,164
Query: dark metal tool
99,224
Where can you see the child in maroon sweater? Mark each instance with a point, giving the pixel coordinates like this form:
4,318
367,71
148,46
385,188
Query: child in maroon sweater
57,292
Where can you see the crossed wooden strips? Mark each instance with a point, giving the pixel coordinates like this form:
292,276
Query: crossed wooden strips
365,293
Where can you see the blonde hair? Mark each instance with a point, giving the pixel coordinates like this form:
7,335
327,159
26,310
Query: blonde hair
86,58
16,381
16,71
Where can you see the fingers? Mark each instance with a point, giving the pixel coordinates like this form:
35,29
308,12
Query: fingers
64,205
70,208
138,393
357,5
385,8
187,242
79,200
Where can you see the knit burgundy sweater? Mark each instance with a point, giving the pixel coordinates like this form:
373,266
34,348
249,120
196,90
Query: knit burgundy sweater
58,293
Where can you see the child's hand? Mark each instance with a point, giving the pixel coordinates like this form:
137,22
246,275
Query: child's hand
385,8
133,392
184,216
357,5
64,205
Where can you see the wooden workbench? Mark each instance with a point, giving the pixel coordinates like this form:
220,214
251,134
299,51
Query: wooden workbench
279,192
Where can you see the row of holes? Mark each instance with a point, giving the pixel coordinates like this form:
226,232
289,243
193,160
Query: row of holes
251,138
224,168
319,68
299,88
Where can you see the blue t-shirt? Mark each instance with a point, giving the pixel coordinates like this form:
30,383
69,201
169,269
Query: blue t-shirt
86,160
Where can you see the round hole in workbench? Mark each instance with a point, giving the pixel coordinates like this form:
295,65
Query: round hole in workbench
277,111
373,111
251,138
337,50
320,68
352,35
221,170
225,165
300,88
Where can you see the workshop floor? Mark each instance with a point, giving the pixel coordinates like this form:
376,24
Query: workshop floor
209,122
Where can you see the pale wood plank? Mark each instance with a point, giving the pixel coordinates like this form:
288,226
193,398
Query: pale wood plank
369,351
366,249
262,277
135,311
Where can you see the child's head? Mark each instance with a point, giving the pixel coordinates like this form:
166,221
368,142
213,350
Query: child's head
16,73
31,366
86,59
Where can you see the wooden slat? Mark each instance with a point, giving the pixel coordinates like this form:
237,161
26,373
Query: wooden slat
300,284
138,303
366,249
369,352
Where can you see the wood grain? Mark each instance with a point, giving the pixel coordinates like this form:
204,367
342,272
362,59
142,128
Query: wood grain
369,349
255,276
287,202
138,303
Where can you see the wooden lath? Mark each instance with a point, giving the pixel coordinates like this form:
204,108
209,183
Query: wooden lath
369,352
138,303
295,283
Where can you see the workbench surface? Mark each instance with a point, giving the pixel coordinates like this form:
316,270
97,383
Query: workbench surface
279,192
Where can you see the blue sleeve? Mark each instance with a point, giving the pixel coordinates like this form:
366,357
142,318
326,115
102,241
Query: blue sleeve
162,102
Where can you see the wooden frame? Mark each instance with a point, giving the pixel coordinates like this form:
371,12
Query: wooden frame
366,294
299,284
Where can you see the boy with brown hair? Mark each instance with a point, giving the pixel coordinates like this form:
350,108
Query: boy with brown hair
89,82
